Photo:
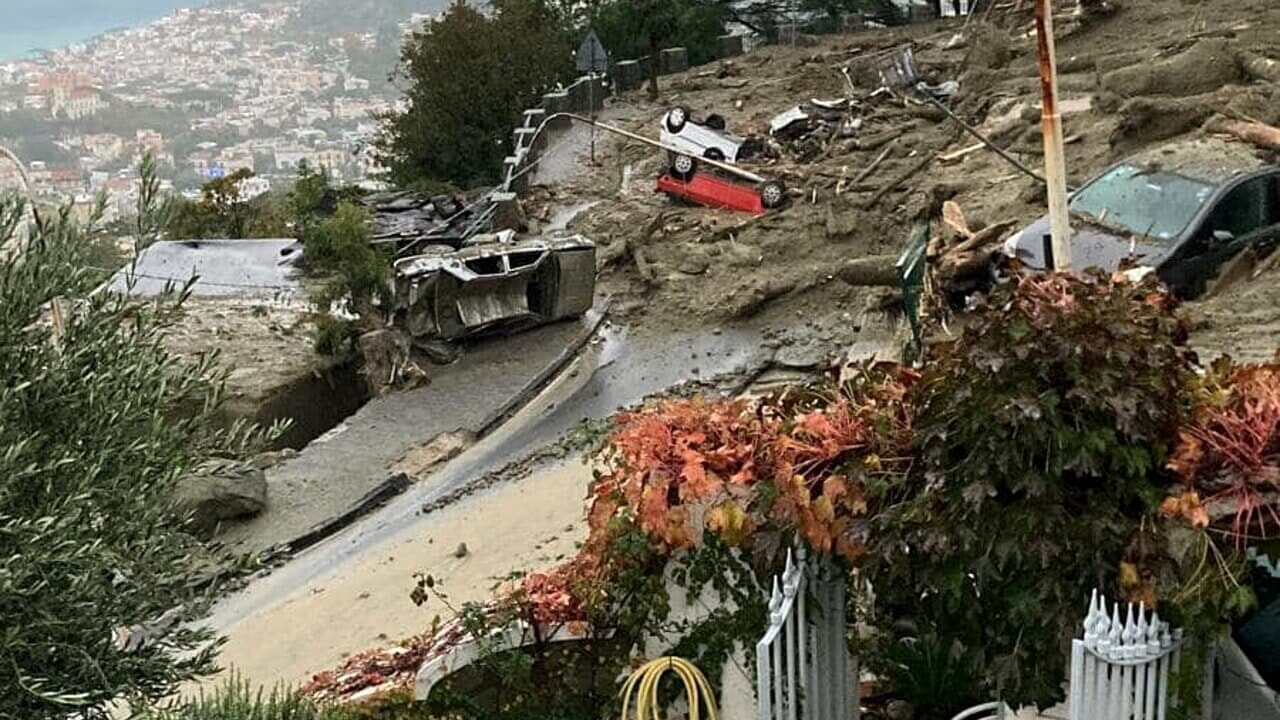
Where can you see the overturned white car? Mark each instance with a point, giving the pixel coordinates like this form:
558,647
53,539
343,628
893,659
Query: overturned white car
494,283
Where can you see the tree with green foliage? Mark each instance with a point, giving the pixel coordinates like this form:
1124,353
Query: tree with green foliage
97,423
339,246
309,196
221,212
471,74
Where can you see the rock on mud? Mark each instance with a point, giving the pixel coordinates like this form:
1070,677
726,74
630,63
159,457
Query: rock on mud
1146,119
222,490
1207,66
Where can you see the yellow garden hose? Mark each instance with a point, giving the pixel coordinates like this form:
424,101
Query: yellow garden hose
696,689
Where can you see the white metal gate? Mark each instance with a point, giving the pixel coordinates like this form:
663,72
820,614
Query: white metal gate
803,668
1120,669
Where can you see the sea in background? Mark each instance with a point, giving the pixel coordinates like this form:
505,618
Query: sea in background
29,25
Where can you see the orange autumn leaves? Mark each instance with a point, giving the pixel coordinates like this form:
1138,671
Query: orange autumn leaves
682,468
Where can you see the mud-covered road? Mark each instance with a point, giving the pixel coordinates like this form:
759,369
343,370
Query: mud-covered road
615,371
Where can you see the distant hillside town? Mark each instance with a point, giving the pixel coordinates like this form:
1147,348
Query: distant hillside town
207,91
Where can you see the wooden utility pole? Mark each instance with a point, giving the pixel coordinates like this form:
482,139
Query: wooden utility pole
1055,169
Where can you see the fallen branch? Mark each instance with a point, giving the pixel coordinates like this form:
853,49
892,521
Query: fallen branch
984,140
959,154
831,139
986,236
1262,135
871,142
866,172
956,265
953,217
896,182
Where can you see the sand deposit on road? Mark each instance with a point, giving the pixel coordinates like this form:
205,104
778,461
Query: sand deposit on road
517,526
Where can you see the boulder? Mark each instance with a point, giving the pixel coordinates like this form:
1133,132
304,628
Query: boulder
385,353
222,490
988,48
1207,66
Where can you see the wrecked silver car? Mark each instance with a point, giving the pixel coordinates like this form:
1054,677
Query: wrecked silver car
494,283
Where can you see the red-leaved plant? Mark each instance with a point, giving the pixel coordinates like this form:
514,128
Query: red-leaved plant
1228,456
801,460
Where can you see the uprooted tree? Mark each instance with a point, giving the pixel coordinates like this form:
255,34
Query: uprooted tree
97,422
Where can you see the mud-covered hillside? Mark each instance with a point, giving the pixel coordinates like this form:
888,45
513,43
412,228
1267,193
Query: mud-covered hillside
1145,73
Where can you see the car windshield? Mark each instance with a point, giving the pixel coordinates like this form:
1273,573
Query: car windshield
1153,203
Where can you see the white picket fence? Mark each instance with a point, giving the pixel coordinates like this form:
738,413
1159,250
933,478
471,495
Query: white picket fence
803,667
1120,670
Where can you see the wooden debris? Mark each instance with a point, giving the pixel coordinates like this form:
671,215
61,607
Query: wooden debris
959,154
866,172
1260,134
958,253
953,217
897,181
871,142
871,270
1261,68
987,236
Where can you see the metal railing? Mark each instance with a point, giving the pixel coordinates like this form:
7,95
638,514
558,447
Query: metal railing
803,667
1120,670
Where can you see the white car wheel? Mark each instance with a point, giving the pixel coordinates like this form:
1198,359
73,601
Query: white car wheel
683,165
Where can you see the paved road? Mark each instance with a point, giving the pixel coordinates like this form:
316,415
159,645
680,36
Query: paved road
615,372
330,476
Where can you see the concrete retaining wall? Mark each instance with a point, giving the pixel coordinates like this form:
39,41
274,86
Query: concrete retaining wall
789,34
675,60
587,94
627,76
728,46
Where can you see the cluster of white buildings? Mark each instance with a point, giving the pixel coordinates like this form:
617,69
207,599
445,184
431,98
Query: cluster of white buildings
237,73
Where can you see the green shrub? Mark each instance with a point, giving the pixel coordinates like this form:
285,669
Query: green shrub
236,699
339,247
937,675
334,336
97,422
1040,436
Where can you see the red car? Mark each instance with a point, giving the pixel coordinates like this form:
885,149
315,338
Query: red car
683,180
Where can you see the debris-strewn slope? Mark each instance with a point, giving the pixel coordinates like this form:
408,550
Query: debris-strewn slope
1145,74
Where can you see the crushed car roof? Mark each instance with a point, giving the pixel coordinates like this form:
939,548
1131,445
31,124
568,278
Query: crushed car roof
1209,160
487,246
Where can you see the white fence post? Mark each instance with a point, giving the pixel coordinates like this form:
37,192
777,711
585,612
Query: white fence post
1120,669
802,662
